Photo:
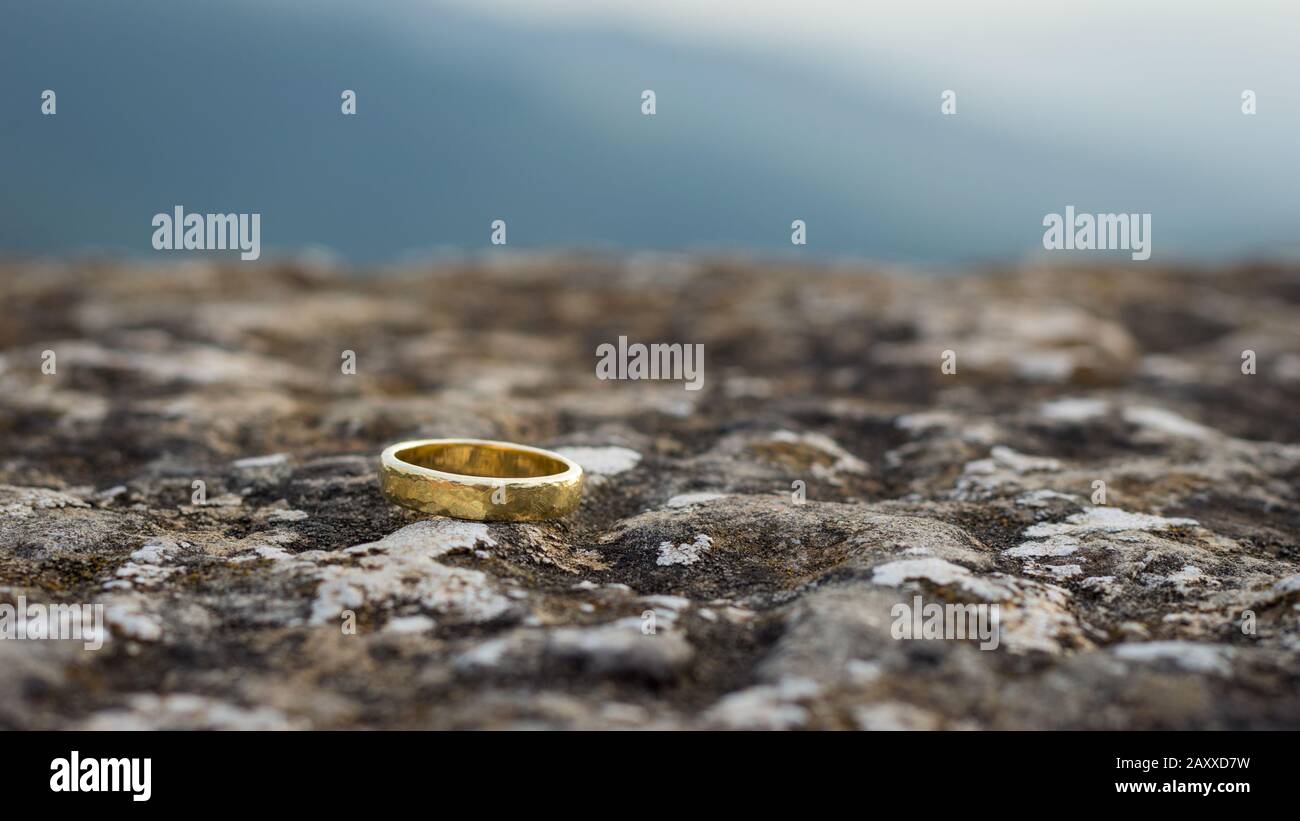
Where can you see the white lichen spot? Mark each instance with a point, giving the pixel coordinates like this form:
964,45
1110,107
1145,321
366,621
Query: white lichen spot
1043,497
844,462
602,461
1046,365
401,568
680,408
431,538
1034,616
486,655
255,462
1064,571
738,615
688,499
1004,457
895,715
1191,656
1107,520
927,420
286,516
935,570
1167,422
861,672
1003,469
270,553
671,603
1058,546
1286,586
686,553
409,624
147,566
620,647
111,493
129,617
1064,538
22,502
1184,580
766,706
1071,409
156,551
184,711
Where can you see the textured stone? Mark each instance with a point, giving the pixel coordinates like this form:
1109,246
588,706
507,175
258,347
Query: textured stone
738,551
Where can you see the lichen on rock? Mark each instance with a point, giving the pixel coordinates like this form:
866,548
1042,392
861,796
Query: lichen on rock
200,465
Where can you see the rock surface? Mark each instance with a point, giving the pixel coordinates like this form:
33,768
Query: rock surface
767,610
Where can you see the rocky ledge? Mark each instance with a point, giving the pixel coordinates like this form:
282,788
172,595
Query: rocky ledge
1085,448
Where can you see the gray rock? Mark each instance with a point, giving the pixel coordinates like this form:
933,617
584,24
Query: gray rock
740,551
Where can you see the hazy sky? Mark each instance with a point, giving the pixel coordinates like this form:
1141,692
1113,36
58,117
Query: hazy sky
822,110
1041,64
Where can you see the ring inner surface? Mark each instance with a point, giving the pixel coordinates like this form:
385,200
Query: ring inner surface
482,460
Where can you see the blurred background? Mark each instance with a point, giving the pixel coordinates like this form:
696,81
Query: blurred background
826,111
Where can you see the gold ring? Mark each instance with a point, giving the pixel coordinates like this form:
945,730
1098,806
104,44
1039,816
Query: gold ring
479,479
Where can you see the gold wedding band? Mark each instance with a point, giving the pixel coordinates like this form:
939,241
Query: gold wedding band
479,479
